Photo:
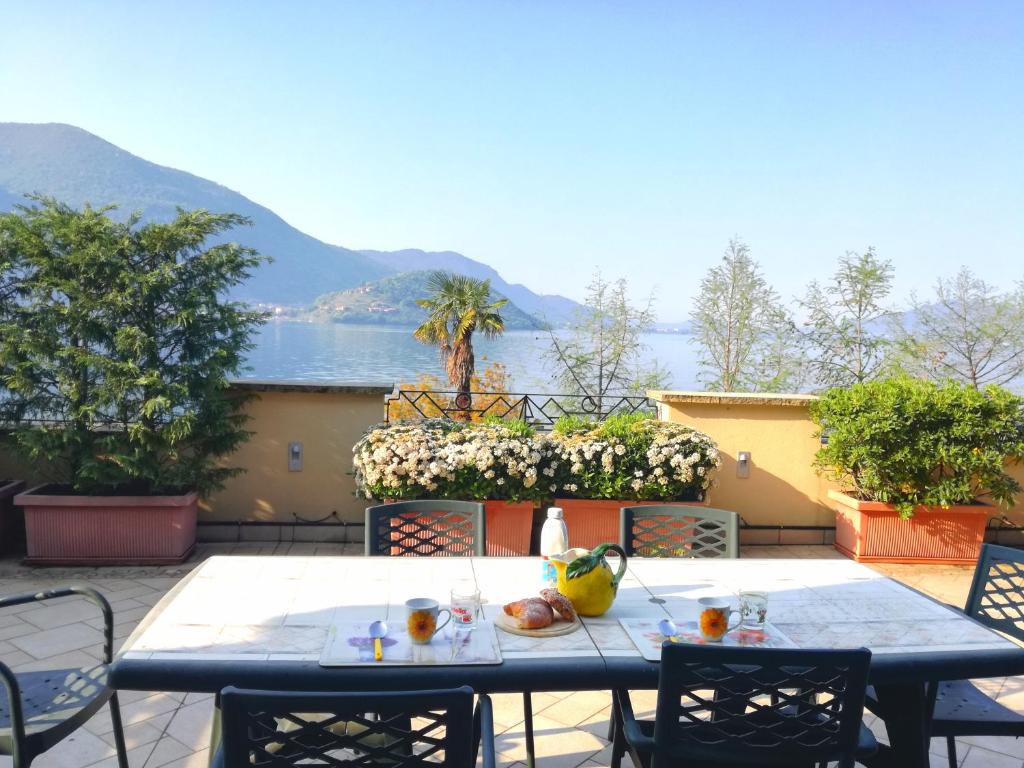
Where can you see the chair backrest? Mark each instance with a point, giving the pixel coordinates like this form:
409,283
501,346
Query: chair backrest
678,530
996,598
431,527
762,706
395,729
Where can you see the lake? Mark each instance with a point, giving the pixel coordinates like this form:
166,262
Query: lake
362,354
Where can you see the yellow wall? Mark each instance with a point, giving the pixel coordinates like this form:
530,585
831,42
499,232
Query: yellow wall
328,423
327,420
782,488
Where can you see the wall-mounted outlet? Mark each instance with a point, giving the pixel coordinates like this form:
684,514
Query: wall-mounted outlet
743,464
295,456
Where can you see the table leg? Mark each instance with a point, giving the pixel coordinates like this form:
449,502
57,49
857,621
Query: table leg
904,710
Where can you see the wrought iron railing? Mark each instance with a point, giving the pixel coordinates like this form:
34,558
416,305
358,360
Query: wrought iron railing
540,410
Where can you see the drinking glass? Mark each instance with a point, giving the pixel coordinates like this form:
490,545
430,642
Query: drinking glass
753,609
465,605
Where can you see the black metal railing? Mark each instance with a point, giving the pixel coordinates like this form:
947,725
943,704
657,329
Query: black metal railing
540,410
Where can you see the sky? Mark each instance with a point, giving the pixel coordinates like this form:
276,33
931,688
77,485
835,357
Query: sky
550,138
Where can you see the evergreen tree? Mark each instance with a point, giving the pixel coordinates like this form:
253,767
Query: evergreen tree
118,352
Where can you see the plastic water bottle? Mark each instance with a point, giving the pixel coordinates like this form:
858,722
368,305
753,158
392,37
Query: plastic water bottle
554,540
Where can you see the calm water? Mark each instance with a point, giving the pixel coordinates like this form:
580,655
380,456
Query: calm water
379,354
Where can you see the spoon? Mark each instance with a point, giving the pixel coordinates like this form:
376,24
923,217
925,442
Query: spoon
378,629
668,628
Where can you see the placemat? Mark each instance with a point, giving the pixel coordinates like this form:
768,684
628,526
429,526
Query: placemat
349,645
646,637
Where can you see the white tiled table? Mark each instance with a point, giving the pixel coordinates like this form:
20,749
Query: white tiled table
262,622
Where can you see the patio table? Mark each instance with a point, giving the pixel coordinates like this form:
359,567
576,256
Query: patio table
261,622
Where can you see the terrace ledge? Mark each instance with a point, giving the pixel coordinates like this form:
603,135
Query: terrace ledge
731,398
322,387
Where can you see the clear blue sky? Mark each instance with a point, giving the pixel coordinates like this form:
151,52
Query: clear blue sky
548,138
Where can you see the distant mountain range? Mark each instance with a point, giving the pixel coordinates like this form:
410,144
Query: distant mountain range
76,167
392,301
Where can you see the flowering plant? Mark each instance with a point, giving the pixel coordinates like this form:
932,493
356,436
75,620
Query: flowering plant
437,458
624,457
634,458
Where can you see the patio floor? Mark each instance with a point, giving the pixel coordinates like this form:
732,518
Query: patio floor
172,729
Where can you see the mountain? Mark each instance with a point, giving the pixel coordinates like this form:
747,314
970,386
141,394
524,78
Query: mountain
392,301
550,308
77,167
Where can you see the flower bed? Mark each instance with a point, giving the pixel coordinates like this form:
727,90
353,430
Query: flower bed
621,461
493,462
624,461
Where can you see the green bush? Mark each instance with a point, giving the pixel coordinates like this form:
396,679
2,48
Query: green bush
910,442
117,349
631,457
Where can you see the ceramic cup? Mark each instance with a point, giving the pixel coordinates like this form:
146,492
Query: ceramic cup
714,618
753,609
421,619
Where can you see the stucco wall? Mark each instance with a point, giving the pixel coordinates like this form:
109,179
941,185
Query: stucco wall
326,419
782,487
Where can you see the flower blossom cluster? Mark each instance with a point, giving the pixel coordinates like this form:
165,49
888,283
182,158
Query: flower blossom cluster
631,458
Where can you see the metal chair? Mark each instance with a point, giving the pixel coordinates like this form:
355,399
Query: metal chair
721,706
366,729
429,527
678,530
40,709
996,600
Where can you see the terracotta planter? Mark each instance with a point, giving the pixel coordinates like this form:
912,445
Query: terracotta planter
12,523
63,529
870,531
596,521
509,525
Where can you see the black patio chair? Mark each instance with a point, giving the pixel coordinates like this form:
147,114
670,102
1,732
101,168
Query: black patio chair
678,530
430,527
40,709
722,706
996,600
366,729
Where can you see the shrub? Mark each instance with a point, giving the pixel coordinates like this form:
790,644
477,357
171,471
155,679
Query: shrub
909,442
632,457
117,352
437,458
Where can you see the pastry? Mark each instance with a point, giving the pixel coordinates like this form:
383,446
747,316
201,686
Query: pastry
561,603
531,613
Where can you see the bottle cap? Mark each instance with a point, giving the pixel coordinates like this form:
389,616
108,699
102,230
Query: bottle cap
555,513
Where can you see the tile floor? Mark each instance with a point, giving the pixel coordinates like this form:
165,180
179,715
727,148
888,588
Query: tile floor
171,730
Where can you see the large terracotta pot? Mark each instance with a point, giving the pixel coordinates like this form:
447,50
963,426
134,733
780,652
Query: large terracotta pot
65,529
12,524
509,524
871,531
596,521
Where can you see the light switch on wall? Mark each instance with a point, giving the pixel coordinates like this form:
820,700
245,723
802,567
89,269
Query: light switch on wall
743,464
295,456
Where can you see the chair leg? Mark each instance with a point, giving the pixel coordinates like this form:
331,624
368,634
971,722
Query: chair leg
531,758
115,719
618,738
951,751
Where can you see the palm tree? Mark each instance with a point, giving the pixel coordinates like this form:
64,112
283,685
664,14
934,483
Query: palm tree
457,307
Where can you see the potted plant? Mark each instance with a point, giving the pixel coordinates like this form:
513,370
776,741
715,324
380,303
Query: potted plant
917,464
629,459
117,360
496,462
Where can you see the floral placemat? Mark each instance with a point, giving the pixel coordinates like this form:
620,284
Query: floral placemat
646,637
349,645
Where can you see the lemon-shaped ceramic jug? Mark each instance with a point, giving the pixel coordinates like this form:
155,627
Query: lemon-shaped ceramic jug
586,578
